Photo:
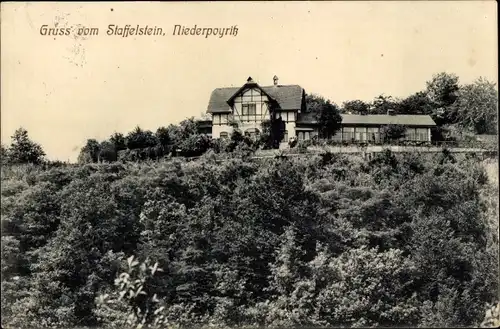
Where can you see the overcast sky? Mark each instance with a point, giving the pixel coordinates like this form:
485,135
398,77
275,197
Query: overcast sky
68,89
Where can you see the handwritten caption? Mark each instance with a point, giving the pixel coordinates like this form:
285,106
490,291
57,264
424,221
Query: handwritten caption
129,30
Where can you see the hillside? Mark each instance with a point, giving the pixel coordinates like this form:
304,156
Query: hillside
327,240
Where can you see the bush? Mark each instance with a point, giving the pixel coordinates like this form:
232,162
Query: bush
326,240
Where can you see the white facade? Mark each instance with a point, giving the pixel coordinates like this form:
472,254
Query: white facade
289,118
250,109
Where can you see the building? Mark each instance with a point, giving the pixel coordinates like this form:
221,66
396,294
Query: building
246,107
367,128
249,105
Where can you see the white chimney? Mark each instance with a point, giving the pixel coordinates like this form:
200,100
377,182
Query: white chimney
275,80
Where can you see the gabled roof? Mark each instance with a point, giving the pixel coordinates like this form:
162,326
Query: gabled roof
249,85
288,97
375,119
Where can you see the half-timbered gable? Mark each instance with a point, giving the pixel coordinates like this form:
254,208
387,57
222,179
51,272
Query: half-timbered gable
248,106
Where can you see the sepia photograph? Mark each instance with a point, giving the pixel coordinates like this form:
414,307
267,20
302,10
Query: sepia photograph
249,164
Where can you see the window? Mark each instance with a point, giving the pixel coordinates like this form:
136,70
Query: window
248,109
217,119
360,133
224,135
422,134
288,116
373,134
348,133
410,134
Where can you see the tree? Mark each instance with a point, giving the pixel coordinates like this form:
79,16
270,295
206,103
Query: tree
273,131
194,145
138,139
163,135
90,152
326,113
392,132
442,91
418,103
355,107
119,141
3,154
477,106
24,150
188,127
382,103
107,151
443,88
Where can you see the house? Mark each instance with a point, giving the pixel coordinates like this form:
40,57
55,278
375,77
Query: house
248,106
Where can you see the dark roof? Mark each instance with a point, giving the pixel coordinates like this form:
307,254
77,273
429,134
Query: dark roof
204,123
306,118
288,97
374,119
384,119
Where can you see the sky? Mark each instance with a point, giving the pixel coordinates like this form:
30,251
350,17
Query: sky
67,89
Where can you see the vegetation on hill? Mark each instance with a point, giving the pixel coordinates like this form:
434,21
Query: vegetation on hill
227,240
397,240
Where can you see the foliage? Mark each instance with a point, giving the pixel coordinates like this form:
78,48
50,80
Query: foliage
319,240
139,138
418,103
443,92
327,240
195,145
164,136
326,113
3,154
108,151
478,107
443,88
22,149
273,132
382,104
131,304
392,132
492,317
90,152
118,140
355,107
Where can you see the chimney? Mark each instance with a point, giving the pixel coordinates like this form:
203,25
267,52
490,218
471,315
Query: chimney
391,112
275,80
250,80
